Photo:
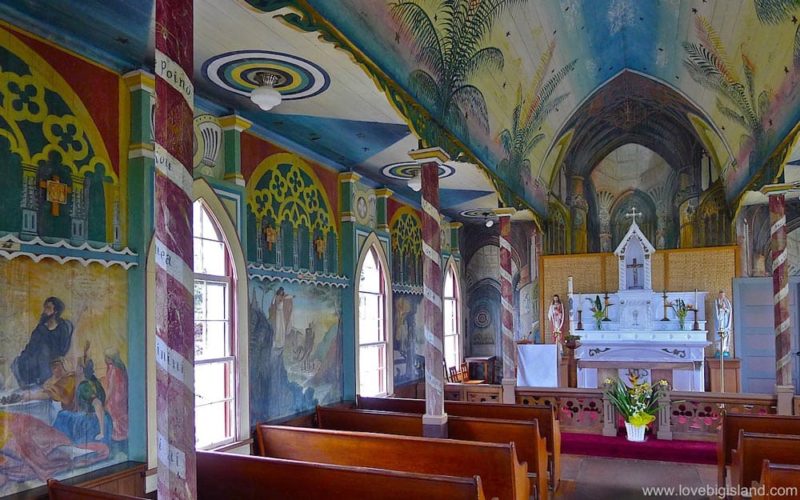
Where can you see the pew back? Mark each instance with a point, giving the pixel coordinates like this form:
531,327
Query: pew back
60,491
524,434
223,476
754,447
502,475
548,425
732,423
775,476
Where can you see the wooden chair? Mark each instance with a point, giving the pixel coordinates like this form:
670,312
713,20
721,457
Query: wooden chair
454,375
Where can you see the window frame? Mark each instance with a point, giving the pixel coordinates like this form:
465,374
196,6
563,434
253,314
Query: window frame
456,300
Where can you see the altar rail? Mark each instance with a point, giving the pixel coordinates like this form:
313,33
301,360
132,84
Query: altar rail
683,415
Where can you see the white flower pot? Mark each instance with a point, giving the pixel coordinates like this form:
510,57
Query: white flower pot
635,432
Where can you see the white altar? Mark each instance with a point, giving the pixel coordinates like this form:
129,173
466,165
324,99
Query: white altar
537,365
639,333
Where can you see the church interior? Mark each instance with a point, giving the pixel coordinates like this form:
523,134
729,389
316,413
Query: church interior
552,245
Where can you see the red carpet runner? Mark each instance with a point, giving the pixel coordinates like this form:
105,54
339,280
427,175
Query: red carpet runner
695,452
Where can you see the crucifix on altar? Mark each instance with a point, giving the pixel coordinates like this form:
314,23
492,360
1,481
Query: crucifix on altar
634,252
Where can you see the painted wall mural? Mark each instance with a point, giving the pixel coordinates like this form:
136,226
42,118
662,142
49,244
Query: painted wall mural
409,338
405,227
58,177
63,371
295,348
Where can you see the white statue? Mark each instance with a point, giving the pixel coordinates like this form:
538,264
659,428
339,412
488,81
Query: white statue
556,316
724,313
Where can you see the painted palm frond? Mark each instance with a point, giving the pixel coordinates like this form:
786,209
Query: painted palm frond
519,141
778,11
448,36
707,65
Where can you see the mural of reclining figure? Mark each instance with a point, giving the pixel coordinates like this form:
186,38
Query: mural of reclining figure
49,340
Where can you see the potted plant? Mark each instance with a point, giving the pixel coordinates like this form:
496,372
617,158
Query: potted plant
681,310
571,341
598,313
638,404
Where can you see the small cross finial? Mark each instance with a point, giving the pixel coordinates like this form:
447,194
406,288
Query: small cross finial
633,214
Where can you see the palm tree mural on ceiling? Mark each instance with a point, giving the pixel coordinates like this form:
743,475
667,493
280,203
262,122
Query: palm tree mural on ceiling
526,123
449,42
708,65
777,11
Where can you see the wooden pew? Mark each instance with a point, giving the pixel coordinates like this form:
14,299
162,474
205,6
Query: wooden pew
60,491
224,475
548,425
502,475
753,448
524,434
778,476
732,423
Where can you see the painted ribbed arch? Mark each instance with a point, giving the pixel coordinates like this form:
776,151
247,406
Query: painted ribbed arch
42,71
296,197
406,229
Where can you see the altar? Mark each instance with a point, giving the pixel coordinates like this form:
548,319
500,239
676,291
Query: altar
637,331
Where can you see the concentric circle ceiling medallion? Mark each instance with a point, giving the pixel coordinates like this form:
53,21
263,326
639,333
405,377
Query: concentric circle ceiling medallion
241,72
407,170
477,213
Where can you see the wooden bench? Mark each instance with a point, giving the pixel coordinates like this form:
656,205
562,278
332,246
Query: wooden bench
775,476
732,423
60,491
548,425
224,475
524,434
752,448
501,473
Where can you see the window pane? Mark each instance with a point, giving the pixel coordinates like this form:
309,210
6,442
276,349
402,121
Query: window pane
213,261
199,300
216,300
211,340
448,284
370,274
451,351
209,228
372,376
198,254
370,318
213,424
212,382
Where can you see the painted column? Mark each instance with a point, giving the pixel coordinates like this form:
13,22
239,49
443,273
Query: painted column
382,196
349,259
141,87
580,208
780,290
174,291
232,128
434,422
507,306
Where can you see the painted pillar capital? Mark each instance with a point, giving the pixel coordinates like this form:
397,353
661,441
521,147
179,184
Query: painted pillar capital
232,128
140,80
382,196
429,155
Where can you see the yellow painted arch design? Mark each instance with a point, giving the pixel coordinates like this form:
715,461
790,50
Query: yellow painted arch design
404,222
292,208
48,77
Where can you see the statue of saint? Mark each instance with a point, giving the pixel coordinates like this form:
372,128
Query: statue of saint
556,316
724,312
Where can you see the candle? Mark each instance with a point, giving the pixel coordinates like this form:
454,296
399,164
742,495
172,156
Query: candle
695,299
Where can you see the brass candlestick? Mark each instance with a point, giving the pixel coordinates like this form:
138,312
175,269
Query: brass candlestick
666,306
607,305
695,324
580,320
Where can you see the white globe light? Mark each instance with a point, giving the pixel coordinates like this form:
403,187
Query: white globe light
265,97
415,183
489,223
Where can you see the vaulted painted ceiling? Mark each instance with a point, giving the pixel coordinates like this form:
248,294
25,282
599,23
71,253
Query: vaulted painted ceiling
522,88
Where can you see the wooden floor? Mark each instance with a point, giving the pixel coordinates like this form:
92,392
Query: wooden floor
598,478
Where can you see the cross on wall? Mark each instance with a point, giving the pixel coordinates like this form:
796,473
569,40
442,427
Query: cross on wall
57,193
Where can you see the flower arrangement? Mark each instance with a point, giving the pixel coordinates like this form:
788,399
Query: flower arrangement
598,313
638,404
681,310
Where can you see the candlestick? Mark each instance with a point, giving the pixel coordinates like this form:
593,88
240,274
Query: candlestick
666,305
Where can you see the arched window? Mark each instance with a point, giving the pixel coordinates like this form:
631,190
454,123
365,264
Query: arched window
452,320
215,348
373,346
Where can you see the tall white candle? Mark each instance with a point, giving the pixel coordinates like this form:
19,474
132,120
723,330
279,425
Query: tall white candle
696,306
